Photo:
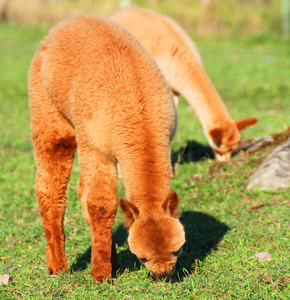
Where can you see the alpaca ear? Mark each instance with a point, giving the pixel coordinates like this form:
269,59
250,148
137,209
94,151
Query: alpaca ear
244,123
216,134
170,204
130,211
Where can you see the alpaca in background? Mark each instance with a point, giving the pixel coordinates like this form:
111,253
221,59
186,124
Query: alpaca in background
181,64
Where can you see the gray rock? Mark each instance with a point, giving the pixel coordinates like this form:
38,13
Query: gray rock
274,172
5,279
263,256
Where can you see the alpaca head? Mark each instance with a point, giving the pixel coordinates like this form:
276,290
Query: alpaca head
224,140
156,236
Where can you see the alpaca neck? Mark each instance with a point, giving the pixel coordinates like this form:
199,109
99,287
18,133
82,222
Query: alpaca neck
201,94
146,177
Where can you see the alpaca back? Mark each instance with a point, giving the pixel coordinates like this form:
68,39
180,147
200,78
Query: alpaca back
103,82
97,72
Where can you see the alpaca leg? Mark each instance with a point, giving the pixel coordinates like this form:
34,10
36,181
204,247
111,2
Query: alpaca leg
114,256
55,147
54,159
83,200
99,200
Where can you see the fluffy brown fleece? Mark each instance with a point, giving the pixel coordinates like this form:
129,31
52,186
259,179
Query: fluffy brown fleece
181,64
92,87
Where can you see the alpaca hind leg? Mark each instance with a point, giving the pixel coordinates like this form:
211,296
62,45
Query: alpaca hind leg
55,147
54,159
54,167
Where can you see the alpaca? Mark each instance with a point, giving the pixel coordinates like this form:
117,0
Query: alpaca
94,89
181,64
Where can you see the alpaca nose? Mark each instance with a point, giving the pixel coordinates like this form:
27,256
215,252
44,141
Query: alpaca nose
223,157
165,274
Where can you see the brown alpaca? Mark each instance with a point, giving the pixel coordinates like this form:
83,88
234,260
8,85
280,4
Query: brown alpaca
92,87
181,64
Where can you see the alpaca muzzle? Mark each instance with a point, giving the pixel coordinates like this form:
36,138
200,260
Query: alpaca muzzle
223,157
163,274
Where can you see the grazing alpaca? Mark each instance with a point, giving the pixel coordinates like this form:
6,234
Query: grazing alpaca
181,65
92,87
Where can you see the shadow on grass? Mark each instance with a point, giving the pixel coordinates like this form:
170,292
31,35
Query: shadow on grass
126,258
193,151
203,233
82,261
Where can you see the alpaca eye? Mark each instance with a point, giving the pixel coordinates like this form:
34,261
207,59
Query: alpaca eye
177,253
143,260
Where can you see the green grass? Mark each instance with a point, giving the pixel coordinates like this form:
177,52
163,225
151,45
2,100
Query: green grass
226,225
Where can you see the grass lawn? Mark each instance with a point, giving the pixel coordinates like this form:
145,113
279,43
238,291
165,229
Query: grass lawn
226,225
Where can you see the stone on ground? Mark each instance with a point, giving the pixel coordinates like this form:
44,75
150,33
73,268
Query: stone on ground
263,256
274,172
5,279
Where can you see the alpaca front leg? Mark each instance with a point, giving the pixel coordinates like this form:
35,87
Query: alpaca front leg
114,257
101,251
99,202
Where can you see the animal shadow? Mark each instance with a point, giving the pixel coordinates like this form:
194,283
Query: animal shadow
193,151
203,233
126,258
82,261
